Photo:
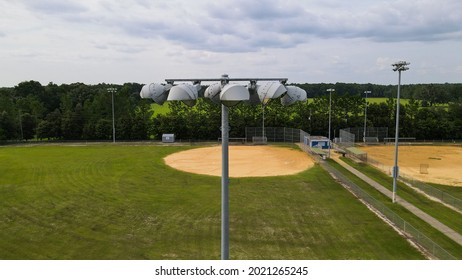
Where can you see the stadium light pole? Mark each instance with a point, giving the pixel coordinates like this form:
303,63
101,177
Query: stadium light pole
398,66
330,90
226,94
112,90
365,116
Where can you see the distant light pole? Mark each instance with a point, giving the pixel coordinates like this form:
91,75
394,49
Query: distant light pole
330,90
365,116
112,90
398,66
20,124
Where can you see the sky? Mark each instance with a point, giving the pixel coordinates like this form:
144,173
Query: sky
306,41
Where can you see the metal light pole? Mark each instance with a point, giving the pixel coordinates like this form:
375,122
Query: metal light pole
263,122
224,177
227,95
330,90
112,90
398,66
20,124
224,183
365,116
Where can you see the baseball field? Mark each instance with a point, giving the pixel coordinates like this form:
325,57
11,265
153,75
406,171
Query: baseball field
120,201
434,164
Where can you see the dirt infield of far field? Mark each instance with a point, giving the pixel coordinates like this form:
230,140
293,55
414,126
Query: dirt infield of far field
244,161
444,162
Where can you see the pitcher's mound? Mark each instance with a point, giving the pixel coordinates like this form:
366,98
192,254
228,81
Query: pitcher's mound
244,161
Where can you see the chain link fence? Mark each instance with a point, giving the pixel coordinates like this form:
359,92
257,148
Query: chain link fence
412,232
373,134
346,139
444,197
429,190
273,134
417,236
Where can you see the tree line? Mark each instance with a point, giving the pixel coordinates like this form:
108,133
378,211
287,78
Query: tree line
84,112
73,112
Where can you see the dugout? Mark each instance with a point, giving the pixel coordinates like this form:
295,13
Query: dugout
319,142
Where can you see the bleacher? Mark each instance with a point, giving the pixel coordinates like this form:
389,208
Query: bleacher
358,153
319,151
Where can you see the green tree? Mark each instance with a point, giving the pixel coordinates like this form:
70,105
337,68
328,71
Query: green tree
455,117
72,123
8,126
432,123
141,122
29,124
50,127
25,89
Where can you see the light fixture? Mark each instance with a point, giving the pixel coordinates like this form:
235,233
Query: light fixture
187,93
294,94
213,92
270,90
156,92
400,66
232,94
227,94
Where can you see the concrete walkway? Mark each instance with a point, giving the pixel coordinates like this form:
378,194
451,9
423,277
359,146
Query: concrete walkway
416,211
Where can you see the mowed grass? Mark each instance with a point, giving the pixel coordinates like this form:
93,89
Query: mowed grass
439,238
378,100
123,202
445,215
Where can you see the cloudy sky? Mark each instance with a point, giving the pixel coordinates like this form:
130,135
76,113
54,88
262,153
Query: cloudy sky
314,41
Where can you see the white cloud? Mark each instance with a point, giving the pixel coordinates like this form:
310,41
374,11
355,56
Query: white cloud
315,41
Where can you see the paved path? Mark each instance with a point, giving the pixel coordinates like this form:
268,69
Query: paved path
416,211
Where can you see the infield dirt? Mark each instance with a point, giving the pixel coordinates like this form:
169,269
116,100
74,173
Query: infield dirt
444,162
244,161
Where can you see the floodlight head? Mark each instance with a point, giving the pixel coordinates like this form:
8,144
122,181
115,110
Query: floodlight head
157,92
293,95
187,93
400,66
270,90
213,92
232,94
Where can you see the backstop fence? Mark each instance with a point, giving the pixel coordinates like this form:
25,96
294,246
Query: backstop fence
372,135
346,139
273,134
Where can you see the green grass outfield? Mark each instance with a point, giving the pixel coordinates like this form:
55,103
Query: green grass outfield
123,202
